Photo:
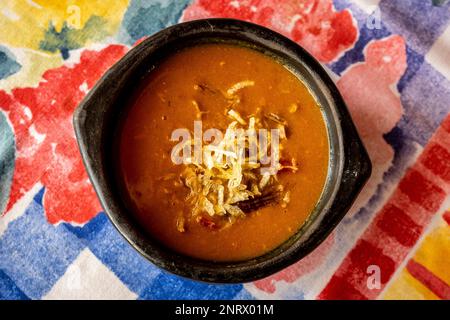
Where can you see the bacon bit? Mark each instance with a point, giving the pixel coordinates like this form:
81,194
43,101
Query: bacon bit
204,87
208,223
285,162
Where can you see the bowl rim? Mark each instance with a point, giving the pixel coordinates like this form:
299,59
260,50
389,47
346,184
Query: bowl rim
352,169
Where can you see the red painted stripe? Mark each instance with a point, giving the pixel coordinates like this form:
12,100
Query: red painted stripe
431,281
365,254
340,289
352,282
396,228
447,217
438,161
445,125
422,191
418,214
396,223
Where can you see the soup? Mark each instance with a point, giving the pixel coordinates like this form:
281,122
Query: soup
229,197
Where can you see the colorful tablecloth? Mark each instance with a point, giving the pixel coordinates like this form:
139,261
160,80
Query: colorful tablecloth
390,60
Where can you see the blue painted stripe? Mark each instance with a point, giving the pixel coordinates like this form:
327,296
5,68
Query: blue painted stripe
35,254
145,17
7,159
418,21
114,251
167,286
9,290
8,63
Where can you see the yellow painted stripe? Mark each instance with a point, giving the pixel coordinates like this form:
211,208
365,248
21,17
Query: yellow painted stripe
434,252
23,23
406,287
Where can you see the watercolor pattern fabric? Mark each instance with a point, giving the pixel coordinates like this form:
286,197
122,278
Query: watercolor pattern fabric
390,62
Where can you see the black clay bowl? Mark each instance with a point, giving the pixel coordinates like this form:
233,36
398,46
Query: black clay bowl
97,118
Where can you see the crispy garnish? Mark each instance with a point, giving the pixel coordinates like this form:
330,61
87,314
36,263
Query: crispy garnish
181,223
228,184
292,166
286,199
239,85
276,118
236,116
198,111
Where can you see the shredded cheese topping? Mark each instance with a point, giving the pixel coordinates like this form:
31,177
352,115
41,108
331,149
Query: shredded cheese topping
227,175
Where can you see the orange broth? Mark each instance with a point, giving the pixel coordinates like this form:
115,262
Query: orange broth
164,103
